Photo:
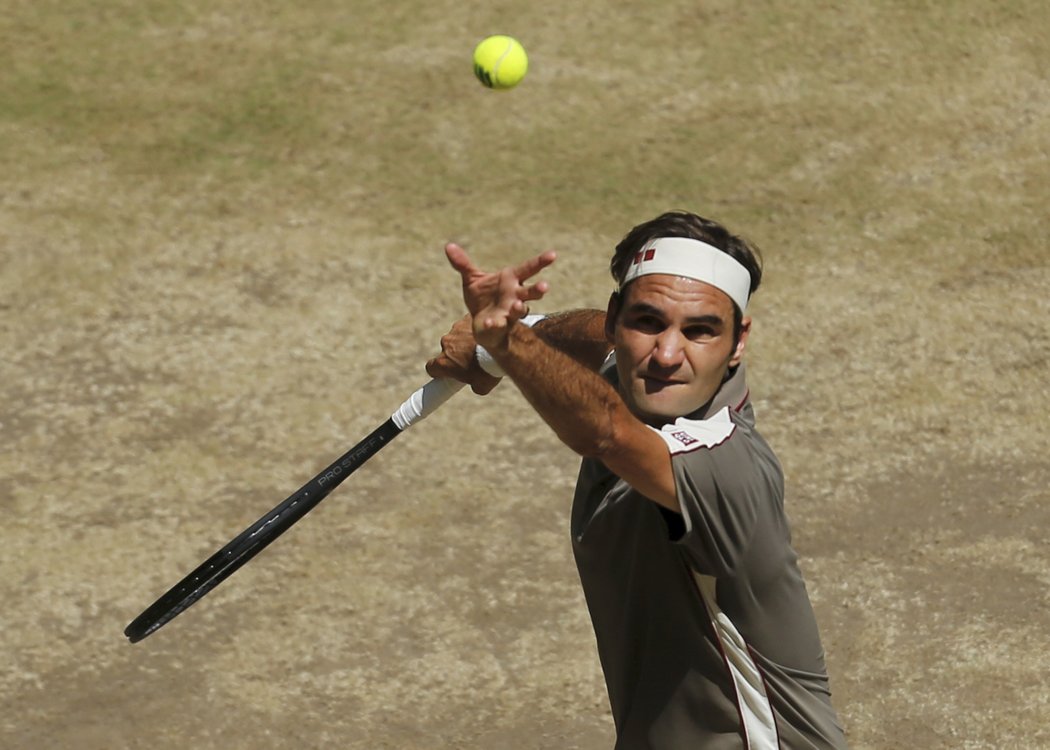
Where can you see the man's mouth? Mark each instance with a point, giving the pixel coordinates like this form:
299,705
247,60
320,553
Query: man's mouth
656,382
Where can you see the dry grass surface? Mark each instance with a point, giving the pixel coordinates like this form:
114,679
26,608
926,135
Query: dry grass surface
221,228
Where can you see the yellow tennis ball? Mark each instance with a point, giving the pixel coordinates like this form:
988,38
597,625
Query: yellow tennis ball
500,62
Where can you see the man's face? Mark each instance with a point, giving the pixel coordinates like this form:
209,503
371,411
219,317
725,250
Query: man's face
674,343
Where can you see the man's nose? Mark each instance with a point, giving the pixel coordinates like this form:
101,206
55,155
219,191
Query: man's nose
669,350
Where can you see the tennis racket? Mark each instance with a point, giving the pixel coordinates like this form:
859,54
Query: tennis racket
256,537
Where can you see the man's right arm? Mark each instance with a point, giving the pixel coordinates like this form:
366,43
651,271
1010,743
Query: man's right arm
578,333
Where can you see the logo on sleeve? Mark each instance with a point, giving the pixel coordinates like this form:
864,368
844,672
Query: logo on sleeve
688,435
684,437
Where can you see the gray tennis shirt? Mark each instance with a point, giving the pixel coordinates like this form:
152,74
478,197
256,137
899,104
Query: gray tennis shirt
704,628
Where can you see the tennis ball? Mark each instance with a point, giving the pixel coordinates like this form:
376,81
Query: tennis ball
500,62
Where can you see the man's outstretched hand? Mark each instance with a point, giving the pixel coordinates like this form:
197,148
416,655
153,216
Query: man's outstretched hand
497,300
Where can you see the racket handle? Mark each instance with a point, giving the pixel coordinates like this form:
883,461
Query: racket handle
424,401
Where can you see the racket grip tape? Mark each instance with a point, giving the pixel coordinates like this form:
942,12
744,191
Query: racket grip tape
424,401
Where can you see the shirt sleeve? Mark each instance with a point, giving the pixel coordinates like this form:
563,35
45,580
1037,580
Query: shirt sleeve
713,472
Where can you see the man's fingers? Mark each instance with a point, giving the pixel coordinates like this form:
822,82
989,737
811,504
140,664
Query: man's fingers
485,388
534,265
432,368
533,291
479,381
458,259
497,300
443,367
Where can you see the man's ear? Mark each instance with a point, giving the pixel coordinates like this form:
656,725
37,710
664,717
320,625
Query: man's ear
611,313
741,344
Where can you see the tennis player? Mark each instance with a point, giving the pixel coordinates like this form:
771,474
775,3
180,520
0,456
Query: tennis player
704,628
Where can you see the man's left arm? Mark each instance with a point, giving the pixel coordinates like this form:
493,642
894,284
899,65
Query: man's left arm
583,409
578,333
587,414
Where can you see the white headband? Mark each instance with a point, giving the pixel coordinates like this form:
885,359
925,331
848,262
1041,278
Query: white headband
681,256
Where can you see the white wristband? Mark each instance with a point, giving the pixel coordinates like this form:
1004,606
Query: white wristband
488,364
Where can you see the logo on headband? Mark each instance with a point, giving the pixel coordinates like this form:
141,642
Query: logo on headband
646,255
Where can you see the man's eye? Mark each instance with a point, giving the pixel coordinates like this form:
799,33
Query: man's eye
648,324
699,332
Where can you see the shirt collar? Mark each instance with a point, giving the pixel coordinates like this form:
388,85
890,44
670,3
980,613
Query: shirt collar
732,394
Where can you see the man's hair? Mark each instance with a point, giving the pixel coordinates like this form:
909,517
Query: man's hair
685,224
